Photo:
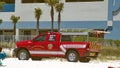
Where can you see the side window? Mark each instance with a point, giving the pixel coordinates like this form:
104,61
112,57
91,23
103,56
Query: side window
66,38
52,38
41,38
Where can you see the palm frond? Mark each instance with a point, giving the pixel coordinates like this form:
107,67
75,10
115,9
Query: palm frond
14,19
59,7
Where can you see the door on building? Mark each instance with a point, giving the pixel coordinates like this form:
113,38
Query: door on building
27,34
8,35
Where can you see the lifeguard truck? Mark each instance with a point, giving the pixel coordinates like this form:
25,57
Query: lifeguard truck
58,44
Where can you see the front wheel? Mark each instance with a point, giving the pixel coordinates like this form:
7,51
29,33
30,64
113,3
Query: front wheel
23,55
72,56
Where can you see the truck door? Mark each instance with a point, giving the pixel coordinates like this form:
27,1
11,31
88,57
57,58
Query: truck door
52,44
45,45
39,44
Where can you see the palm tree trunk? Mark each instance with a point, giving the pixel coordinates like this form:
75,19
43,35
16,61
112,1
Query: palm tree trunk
14,29
52,18
59,19
14,32
37,32
1,8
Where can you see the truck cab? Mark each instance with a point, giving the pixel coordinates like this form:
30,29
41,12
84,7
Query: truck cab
55,44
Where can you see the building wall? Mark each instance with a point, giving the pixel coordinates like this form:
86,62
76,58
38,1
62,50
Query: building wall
73,11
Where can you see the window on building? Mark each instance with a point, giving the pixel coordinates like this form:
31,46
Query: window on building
82,0
32,1
9,6
1,32
27,32
8,32
8,1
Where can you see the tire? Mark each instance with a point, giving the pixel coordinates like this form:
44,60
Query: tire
36,58
72,56
23,55
84,59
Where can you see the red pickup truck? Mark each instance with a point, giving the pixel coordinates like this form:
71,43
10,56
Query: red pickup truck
55,44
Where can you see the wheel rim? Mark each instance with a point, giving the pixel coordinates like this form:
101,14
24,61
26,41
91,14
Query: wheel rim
23,55
72,56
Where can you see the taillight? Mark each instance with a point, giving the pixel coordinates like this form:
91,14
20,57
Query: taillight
88,46
88,49
95,45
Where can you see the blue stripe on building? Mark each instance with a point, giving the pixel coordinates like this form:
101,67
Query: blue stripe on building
64,24
115,33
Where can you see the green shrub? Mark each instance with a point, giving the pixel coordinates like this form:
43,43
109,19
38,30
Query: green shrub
7,45
110,52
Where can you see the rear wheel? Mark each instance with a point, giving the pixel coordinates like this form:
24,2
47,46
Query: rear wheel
72,56
84,59
23,55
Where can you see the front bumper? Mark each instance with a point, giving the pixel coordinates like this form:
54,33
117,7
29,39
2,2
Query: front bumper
15,52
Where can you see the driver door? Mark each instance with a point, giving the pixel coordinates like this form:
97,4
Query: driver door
39,45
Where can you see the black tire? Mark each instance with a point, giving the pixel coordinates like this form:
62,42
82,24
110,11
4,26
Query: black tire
36,58
84,59
23,55
72,56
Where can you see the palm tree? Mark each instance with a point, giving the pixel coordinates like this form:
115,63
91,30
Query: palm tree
59,7
1,5
0,21
52,3
14,21
38,13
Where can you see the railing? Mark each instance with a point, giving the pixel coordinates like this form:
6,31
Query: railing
24,37
8,41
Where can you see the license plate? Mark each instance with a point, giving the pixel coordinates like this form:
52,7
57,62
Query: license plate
92,54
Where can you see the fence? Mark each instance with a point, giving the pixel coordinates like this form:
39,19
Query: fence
8,41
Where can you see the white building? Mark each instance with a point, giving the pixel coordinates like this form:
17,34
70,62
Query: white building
73,12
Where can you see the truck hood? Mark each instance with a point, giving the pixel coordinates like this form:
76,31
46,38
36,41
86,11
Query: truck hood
23,43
